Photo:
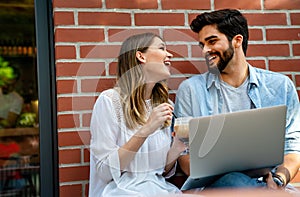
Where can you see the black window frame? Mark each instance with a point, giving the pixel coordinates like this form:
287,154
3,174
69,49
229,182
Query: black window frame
46,78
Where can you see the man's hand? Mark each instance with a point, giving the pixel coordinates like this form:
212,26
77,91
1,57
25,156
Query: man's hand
271,183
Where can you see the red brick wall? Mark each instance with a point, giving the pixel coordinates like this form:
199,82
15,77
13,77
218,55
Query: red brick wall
88,34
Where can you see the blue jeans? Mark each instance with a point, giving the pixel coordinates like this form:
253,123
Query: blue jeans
237,180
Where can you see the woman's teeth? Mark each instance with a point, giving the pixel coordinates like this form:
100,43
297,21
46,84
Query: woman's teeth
167,63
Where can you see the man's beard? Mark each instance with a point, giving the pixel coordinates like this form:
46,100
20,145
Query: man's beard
223,62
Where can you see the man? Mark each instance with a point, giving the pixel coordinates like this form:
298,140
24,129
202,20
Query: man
11,101
231,84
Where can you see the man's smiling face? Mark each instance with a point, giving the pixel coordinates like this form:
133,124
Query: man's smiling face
216,48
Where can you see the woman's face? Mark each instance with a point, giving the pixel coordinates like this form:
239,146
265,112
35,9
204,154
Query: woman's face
156,61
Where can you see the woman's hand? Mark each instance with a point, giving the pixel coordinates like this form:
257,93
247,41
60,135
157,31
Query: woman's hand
158,116
178,146
174,152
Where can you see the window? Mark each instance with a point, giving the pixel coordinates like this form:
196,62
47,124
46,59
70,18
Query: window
28,155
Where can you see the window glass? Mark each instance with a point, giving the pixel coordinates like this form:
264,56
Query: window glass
19,126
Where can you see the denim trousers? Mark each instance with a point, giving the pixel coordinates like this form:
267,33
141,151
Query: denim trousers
237,180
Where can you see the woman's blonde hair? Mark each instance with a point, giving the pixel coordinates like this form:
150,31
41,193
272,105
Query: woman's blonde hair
131,81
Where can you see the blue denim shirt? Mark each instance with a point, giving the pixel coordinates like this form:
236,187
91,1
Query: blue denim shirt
200,95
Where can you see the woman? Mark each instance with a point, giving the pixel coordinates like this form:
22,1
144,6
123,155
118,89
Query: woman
131,151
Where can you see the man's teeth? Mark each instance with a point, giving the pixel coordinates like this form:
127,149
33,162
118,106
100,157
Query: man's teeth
211,58
167,63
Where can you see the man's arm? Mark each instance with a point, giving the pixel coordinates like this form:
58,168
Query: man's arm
290,167
285,172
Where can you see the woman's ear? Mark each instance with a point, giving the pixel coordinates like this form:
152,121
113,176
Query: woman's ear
237,41
140,56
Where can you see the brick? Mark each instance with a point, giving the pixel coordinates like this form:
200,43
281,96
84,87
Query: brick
188,67
113,68
297,80
296,49
65,52
196,51
75,103
104,18
257,63
63,18
295,18
186,35
86,119
77,173
282,4
186,4
159,19
192,16
283,34
79,35
173,83
241,5
268,50
73,138
70,156
86,190
68,121
132,4
70,190
66,86
86,156
97,85
99,51
119,35
172,97
255,34
286,65
265,19
178,50
80,69
77,4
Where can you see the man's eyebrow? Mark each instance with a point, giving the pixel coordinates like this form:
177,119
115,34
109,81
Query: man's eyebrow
206,39
210,37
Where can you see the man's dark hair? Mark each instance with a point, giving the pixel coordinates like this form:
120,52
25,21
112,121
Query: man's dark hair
228,21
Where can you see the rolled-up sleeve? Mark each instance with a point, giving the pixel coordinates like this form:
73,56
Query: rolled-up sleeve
292,138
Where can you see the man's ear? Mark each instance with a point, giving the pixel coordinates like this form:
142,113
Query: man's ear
237,41
140,56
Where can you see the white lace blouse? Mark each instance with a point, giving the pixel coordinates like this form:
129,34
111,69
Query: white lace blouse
143,176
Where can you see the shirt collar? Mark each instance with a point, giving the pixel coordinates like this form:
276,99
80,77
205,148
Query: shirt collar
253,76
214,79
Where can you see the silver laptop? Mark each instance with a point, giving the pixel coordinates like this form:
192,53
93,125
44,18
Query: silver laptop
238,141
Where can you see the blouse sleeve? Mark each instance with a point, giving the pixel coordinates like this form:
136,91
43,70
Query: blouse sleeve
104,136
